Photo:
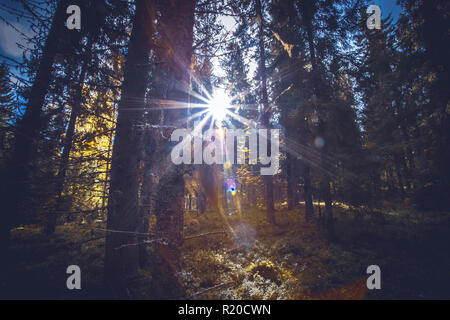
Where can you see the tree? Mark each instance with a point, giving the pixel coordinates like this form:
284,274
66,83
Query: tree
175,47
265,104
26,132
121,255
425,74
90,34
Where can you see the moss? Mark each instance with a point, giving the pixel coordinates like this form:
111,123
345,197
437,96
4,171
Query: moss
265,269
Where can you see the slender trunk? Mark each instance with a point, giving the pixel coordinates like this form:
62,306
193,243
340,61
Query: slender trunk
398,171
311,45
290,182
121,253
268,180
319,209
308,14
67,147
307,193
296,195
328,215
107,173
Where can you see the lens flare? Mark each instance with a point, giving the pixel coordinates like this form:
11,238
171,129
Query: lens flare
218,106
319,142
231,185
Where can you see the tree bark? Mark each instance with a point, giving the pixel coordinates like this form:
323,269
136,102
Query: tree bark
307,12
174,54
148,144
121,263
307,193
328,214
268,180
290,181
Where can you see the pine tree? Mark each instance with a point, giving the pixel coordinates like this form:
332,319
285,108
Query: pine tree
266,109
90,34
174,53
122,256
425,75
17,183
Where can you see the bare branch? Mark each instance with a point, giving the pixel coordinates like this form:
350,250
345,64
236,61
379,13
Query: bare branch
205,234
206,290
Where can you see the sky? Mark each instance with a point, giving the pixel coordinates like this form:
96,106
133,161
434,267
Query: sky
9,37
388,6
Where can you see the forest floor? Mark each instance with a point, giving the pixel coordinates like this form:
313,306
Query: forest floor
240,256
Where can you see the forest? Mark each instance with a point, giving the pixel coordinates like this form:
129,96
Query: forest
224,149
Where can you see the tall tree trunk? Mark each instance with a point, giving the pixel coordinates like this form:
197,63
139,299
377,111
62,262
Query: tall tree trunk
208,180
307,193
176,28
144,213
148,144
328,215
290,181
107,173
121,254
398,171
307,12
326,187
268,180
